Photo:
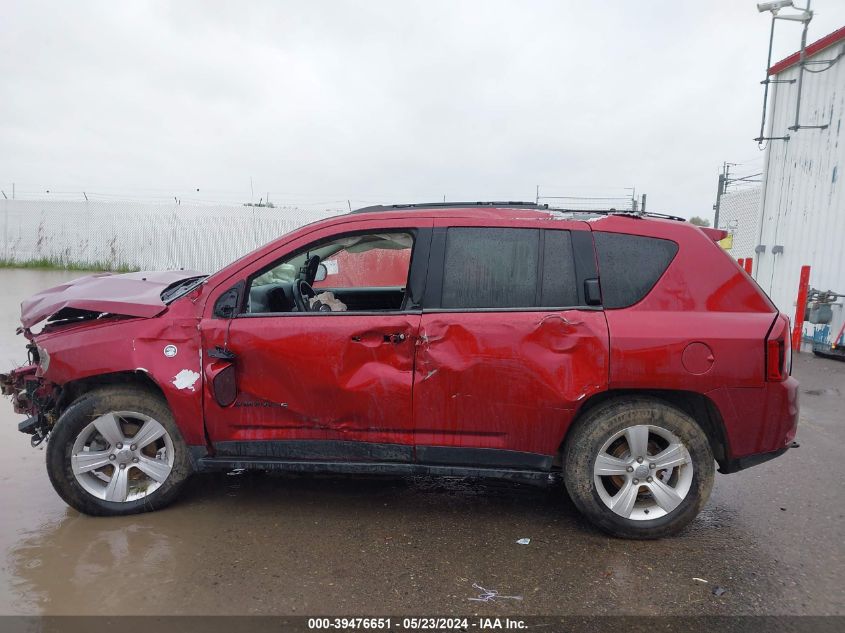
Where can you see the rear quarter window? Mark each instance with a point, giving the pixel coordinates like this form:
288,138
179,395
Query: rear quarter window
630,265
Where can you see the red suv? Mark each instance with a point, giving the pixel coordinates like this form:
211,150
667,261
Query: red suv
624,354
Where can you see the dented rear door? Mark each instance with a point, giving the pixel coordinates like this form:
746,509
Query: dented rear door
505,356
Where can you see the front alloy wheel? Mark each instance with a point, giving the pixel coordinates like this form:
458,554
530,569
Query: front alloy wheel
116,450
122,456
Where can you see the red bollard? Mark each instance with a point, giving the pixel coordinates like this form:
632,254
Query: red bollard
749,262
800,308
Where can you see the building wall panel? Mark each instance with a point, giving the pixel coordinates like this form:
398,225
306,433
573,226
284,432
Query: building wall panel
803,207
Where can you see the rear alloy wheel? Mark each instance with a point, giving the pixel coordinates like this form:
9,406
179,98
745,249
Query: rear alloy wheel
117,451
638,468
643,472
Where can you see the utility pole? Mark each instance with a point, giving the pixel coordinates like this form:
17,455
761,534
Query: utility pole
724,181
642,205
719,191
537,197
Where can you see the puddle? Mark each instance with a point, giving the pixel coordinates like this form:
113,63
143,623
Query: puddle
269,544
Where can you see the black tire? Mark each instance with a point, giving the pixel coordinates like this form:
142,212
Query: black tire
600,424
82,412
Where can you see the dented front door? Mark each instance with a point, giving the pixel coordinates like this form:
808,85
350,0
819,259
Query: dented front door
317,386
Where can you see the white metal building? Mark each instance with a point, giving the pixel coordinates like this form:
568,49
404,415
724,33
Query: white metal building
802,220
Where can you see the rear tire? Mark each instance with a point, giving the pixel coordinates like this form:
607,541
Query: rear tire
96,468
633,458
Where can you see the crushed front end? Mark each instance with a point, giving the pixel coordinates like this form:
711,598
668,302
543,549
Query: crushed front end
32,396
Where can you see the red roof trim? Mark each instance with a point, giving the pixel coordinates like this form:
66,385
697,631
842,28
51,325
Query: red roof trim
812,49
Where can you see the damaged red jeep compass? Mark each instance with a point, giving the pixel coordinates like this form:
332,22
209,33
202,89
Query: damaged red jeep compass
620,353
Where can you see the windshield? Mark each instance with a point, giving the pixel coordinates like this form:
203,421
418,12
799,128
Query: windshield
181,288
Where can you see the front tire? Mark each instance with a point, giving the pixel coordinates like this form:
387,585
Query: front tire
117,451
638,468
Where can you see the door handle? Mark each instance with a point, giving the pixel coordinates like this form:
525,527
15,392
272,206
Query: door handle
561,317
372,338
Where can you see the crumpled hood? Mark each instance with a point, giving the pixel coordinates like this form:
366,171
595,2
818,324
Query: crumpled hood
130,294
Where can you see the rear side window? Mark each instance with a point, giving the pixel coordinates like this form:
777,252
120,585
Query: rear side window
630,265
508,268
490,268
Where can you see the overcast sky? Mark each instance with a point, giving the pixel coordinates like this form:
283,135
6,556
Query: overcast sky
320,102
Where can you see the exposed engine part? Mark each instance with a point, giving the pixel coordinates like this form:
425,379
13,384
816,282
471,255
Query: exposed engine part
32,396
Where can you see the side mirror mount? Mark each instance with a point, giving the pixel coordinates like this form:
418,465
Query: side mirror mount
322,273
226,306
221,353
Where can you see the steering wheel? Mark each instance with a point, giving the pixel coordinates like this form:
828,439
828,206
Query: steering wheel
302,292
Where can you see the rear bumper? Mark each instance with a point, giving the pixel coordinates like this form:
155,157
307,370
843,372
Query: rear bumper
760,422
735,465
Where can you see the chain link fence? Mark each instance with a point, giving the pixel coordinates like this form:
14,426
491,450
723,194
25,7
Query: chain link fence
137,235
739,214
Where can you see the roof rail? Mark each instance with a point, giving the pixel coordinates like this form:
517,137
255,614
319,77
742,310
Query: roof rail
649,214
513,204
450,205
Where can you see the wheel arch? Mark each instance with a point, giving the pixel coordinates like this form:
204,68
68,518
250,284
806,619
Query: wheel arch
185,404
73,390
698,406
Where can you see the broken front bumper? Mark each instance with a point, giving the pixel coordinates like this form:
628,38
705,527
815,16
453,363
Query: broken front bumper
21,384
26,390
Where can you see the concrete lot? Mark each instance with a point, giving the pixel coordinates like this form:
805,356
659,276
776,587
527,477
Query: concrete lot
772,536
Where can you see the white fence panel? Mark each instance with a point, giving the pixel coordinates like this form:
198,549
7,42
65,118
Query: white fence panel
142,235
739,214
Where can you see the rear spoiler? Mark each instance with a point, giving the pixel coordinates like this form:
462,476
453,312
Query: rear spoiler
714,234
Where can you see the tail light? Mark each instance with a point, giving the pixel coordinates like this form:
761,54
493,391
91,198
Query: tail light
778,351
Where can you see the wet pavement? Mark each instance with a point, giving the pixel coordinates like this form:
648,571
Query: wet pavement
771,536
